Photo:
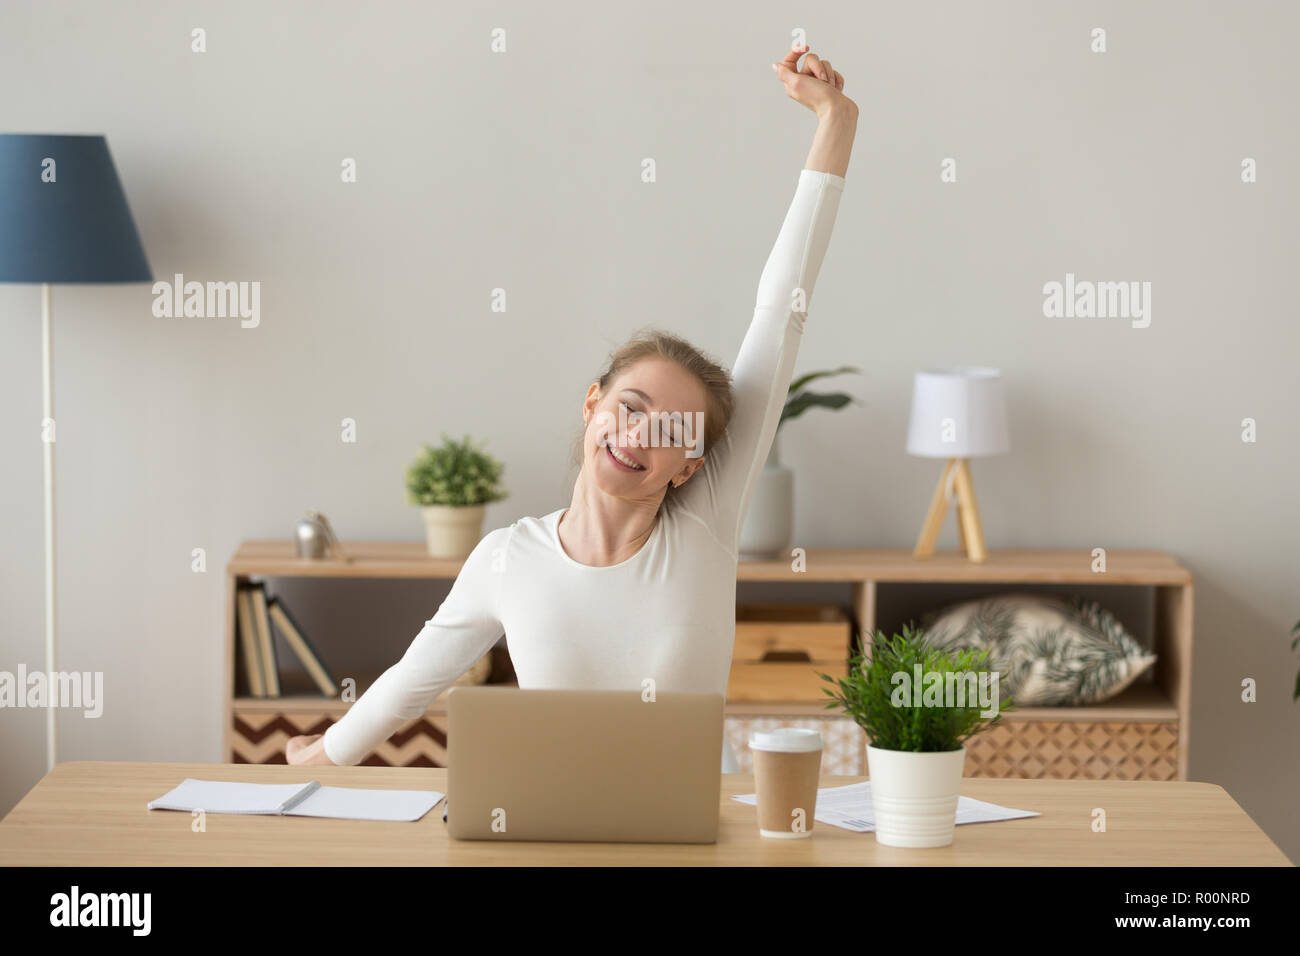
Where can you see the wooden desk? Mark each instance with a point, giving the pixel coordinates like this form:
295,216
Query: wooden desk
94,814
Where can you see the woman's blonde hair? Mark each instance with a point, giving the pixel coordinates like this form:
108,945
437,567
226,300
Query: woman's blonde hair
720,400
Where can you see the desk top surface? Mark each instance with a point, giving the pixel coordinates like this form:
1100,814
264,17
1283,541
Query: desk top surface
94,814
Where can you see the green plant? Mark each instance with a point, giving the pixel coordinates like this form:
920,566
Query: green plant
799,399
455,474
873,696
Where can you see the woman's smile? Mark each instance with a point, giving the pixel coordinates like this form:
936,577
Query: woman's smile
622,460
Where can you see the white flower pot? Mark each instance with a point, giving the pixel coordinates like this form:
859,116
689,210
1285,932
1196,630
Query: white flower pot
769,523
452,531
914,795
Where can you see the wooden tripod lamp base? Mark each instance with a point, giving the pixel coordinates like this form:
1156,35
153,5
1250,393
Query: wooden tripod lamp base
956,471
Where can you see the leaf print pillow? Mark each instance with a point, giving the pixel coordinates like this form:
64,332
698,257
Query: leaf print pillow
1048,651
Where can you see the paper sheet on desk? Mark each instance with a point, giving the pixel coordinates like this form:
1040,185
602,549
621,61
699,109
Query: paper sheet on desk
850,807
350,803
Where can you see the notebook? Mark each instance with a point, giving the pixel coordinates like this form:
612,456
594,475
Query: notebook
298,800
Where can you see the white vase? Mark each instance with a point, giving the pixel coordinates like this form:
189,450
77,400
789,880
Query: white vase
452,531
914,795
769,523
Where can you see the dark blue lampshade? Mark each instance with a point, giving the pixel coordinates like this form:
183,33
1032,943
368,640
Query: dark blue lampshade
77,228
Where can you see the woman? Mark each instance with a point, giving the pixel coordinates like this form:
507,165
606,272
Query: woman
636,580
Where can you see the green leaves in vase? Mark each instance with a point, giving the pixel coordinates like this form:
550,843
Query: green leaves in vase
799,399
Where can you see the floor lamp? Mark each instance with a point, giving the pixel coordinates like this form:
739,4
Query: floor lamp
957,414
63,219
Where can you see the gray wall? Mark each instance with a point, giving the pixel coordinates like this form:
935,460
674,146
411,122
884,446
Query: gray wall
521,170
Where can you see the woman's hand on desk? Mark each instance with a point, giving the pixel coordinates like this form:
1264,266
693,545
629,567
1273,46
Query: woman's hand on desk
307,750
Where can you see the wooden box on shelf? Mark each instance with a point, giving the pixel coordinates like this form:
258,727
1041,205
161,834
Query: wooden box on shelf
781,648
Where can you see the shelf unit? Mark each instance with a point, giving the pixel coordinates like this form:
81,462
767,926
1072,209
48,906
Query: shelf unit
1141,734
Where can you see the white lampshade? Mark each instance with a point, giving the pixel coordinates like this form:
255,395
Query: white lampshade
958,413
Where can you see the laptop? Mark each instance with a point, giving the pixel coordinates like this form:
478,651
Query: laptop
601,766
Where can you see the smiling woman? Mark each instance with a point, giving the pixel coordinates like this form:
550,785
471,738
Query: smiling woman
657,391
635,581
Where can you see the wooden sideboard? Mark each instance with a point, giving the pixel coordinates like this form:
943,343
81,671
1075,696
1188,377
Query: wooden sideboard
1141,734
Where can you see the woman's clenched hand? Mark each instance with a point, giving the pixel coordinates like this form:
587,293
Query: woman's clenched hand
814,84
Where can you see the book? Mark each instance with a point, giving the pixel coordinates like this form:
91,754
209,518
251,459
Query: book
265,641
248,642
298,800
297,640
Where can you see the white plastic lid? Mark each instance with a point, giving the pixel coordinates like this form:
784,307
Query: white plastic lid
786,739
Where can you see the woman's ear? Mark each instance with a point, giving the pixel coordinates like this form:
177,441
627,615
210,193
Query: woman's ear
695,465
590,402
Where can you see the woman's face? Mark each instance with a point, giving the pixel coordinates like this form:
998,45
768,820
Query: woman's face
653,416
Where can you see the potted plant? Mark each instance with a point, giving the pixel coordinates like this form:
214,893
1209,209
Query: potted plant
769,522
916,734
452,484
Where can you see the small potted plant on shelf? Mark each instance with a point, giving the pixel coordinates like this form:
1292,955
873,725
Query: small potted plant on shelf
769,522
452,484
918,705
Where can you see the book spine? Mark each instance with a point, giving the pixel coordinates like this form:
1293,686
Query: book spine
248,641
266,643
299,644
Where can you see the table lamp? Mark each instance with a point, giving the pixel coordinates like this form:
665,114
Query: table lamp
957,414
63,219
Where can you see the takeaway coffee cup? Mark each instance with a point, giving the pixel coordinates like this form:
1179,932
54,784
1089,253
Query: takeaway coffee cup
787,763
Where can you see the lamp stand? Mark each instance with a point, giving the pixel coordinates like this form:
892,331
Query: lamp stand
957,473
47,437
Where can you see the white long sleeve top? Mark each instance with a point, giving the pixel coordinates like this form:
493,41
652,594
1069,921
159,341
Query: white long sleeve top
667,613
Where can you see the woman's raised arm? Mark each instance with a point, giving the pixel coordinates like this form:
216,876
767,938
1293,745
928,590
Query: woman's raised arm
719,495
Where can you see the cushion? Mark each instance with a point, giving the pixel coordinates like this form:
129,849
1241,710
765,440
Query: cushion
1047,651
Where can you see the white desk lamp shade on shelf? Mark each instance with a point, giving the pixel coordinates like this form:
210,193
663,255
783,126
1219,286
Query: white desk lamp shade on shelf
957,414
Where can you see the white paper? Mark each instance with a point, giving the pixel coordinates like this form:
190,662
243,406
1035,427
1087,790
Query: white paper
349,803
344,803
221,796
850,807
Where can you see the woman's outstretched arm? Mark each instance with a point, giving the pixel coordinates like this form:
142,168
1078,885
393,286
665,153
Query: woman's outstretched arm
465,627
719,494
